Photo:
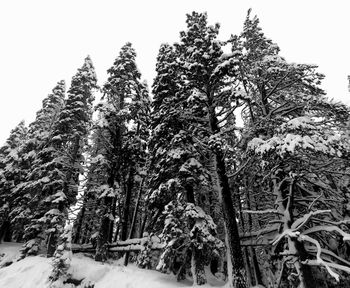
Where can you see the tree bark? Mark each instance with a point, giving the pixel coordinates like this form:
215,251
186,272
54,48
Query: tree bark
51,245
126,211
80,222
127,203
133,221
239,273
197,265
102,243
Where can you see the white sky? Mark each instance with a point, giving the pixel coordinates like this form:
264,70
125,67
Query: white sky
42,41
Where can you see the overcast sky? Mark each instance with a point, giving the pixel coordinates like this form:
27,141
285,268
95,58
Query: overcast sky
42,42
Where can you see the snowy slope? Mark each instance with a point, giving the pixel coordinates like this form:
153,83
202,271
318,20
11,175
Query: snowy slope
33,272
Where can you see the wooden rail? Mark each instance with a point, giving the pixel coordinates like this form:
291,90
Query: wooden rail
154,243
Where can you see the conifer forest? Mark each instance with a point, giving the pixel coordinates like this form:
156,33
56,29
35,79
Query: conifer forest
233,163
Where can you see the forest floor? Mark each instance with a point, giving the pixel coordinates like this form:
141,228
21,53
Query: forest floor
33,272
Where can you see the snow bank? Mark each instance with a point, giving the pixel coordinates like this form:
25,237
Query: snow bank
9,252
33,272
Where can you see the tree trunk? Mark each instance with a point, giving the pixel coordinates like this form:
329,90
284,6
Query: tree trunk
102,243
189,194
80,222
136,210
251,250
51,245
127,203
126,211
118,225
133,222
197,268
111,222
143,225
238,270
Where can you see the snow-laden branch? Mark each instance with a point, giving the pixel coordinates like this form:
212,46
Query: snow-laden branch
329,253
346,236
300,222
287,232
267,211
332,265
319,261
315,200
335,223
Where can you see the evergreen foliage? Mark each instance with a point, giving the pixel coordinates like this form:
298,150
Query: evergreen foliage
266,204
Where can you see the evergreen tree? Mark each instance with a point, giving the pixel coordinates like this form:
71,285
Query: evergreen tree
61,162
119,151
286,115
62,259
172,149
210,75
10,177
176,164
27,193
188,228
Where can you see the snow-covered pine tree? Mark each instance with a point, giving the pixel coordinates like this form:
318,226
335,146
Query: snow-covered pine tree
295,155
188,233
10,177
27,194
170,145
43,178
87,222
176,171
210,74
69,139
118,153
62,258
61,161
130,96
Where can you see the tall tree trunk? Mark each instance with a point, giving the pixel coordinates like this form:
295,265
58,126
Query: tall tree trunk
190,194
238,269
143,225
111,222
80,222
126,208
118,225
126,211
51,245
133,222
136,210
102,238
197,265
251,250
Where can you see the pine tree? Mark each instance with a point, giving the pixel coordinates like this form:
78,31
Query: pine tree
188,232
285,120
171,145
27,193
118,151
176,162
61,162
10,177
87,222
210,75
62,259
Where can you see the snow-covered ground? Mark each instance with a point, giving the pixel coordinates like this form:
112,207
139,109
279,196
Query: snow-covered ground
33,272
